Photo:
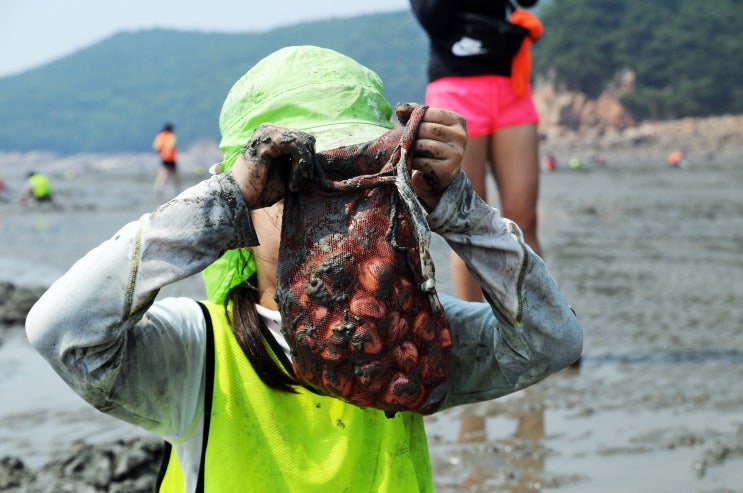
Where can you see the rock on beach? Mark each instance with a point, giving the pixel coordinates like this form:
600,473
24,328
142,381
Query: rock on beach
116,467
15,302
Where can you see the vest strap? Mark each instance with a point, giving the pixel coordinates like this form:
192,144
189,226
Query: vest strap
208,392
164,461
277,350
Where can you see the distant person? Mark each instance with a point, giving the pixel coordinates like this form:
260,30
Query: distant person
677,159
4,195
550,163
484,76
165,145
37,187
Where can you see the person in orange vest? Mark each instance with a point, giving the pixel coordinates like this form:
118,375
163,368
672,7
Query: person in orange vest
165,145
676,159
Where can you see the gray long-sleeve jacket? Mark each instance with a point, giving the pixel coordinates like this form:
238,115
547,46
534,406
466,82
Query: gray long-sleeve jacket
143,361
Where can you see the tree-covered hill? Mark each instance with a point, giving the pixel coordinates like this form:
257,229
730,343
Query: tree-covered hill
687,55
115,95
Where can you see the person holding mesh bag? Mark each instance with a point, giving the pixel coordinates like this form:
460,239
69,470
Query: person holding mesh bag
208,376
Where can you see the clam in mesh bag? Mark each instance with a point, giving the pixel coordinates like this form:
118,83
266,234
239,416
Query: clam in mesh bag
355,280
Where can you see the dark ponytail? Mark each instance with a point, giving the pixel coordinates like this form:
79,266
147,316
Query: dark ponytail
249,328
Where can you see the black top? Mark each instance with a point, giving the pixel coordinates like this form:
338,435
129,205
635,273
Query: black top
464,36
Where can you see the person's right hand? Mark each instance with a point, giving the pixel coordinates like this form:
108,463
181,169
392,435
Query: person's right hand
274,160
438,152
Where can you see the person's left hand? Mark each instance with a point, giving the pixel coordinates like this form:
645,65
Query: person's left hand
438,151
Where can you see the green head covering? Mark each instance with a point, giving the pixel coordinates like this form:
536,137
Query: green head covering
316,90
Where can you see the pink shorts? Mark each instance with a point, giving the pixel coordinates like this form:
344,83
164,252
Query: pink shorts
487,102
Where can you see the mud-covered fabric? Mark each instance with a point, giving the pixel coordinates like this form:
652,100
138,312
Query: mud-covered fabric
356,289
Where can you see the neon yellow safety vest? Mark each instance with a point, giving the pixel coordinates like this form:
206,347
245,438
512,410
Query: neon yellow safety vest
40,186
262,440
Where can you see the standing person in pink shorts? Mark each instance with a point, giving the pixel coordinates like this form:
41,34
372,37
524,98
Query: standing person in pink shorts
479,66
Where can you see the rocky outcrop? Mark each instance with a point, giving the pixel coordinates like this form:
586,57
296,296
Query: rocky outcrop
570,122
575,111
15,302
117,467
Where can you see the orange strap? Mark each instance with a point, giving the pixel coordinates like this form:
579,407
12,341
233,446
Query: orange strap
521,64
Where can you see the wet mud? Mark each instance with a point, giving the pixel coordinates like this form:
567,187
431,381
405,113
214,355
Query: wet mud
649,257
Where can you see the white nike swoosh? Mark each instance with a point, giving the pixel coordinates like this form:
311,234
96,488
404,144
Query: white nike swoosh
468,47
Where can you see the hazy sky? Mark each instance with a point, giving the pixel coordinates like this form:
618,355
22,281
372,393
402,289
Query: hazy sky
33,32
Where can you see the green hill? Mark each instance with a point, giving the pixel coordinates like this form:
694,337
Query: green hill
685,54
114,96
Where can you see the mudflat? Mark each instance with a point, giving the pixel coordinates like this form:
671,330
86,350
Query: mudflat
650,257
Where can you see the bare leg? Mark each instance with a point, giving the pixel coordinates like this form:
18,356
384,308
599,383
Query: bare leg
515,161
473,164
176,181
162,177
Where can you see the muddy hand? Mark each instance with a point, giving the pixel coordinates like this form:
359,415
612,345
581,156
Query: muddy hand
438,152
274,160
403,111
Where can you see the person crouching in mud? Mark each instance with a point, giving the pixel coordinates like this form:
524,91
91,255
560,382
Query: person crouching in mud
38,187
206,376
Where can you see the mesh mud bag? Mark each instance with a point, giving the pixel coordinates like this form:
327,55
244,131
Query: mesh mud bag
356,289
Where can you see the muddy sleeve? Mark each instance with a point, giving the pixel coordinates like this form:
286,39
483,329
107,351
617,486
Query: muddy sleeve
526,330
97,325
